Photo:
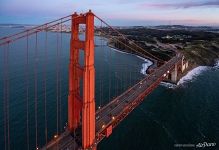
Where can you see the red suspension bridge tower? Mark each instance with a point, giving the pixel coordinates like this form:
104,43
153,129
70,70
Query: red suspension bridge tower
82,108
93,126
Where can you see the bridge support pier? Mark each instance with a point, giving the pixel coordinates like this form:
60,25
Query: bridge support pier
174,74
82,103
177,71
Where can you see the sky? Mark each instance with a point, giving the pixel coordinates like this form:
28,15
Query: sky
116,12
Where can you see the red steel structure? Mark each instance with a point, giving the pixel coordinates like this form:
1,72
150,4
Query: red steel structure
84,105
99,124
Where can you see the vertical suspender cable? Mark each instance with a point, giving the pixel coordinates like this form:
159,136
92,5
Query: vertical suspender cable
117,83
122,68
110,57
60,80
27,90
7,99
45,86
102,74
71,68
126,76
102,80
124,72
120,77
57,83
136,77
100,94
4,101
130,78
35,87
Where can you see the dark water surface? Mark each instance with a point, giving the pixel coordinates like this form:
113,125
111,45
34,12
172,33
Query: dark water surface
187,114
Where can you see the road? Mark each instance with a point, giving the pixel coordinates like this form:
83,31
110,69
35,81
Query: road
111,111
115,111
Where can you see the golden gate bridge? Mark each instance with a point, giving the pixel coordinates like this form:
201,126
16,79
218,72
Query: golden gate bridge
87,124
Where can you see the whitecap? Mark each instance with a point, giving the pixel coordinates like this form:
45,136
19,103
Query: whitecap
147,63
168,85
216,65
192,74
120,51
142,58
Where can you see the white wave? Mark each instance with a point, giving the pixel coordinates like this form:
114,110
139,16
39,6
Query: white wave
142,58
216,65
147,63
120,51
192,74
168,85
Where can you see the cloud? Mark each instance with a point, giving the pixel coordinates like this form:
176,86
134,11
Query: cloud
186,5
36,8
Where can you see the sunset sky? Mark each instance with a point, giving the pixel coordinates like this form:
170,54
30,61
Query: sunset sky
116,12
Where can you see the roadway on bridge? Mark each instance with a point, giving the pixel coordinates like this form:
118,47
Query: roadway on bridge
107,115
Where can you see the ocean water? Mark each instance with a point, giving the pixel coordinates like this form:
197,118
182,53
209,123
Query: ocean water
46,80
184,114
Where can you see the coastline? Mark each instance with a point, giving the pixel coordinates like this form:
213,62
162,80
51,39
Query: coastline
147,63
196,72
192,67
188,74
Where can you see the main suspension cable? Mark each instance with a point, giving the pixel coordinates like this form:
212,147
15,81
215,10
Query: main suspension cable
117,39
125,37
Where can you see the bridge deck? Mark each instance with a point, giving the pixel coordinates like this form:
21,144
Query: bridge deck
115,111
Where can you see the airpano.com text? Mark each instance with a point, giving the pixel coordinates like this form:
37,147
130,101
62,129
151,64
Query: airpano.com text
198,145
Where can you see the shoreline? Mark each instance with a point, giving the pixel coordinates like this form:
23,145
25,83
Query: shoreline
191,66
192,70
191,73
145,65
